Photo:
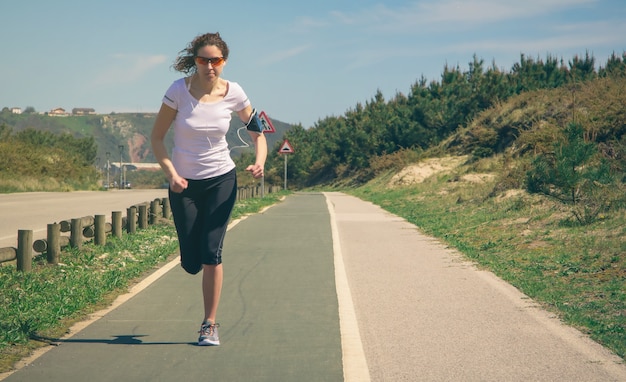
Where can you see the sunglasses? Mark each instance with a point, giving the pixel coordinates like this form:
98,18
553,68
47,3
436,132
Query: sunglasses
214,61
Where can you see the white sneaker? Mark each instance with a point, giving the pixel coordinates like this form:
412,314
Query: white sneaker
208,334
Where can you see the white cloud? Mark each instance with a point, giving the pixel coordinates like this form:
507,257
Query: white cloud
431,14
127,68
285,54
486,11
429,28
309,22
563,38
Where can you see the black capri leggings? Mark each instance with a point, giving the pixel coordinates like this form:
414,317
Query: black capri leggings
201,214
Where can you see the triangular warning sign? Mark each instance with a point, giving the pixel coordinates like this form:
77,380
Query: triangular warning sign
286,148
267,124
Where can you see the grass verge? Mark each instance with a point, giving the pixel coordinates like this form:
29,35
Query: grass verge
49,300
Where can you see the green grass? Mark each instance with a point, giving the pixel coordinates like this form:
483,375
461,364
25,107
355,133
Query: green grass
577,272
10,184
48,300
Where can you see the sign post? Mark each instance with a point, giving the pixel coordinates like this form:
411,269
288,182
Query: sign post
285,148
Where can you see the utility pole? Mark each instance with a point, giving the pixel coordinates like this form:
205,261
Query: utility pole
121,147
108,154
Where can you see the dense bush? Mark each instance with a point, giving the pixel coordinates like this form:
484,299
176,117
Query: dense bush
575,173
44,155
479,111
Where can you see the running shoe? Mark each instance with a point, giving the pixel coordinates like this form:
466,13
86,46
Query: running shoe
208,334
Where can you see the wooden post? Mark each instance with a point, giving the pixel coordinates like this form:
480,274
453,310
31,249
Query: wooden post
100,237
116,220
66,226
53,247
76,234
8,254
24,250
154,209
131,219
166,208
143,216
40,245
90,232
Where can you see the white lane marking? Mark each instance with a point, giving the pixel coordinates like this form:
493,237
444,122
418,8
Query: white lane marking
354,361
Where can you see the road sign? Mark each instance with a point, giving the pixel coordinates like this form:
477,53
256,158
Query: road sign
267,124
286,148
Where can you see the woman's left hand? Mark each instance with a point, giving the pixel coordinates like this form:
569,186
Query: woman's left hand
256,170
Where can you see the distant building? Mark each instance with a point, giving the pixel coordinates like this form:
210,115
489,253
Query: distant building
83,111
16,110
138,166
58,112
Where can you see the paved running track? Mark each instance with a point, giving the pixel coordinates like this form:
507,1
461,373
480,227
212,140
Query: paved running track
326,287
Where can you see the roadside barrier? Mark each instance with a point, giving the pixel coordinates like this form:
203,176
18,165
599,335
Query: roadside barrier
96,228
81,230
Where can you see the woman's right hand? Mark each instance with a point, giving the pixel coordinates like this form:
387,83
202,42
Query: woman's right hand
178,184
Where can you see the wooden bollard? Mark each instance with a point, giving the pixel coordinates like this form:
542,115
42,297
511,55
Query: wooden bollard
131,219
116,223
54,243
66,225
43,245
154,211
159,206
166,208
143,216
76,234
40,245
89,232
100,230
24,250
8,254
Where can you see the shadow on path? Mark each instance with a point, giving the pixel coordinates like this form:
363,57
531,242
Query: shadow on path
115,340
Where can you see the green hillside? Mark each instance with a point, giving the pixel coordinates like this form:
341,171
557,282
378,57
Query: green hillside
131,130
106,133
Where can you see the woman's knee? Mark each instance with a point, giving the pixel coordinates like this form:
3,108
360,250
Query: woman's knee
192,269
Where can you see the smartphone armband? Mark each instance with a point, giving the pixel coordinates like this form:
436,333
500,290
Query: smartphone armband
254,124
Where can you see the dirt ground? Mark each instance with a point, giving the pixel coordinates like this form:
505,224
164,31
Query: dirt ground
417,173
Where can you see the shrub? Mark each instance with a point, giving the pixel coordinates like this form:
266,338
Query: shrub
575,174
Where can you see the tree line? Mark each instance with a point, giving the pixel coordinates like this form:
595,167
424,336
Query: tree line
337,147
368,135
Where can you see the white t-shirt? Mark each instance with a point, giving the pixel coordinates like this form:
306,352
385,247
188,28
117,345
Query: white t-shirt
200,148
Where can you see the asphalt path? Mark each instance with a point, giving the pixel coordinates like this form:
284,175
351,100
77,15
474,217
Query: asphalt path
326,287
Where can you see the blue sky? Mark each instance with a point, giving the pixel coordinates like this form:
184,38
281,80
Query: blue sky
298,61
